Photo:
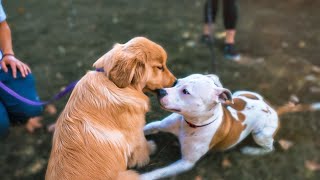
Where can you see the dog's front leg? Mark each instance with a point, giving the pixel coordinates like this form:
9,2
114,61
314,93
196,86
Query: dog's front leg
141,152
173,169
169,124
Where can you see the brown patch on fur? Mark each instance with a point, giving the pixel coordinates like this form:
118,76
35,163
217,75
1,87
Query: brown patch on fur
241,116
238,104
100,131
250,96
228,132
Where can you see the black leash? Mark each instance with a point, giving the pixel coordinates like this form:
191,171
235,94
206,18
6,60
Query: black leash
210,43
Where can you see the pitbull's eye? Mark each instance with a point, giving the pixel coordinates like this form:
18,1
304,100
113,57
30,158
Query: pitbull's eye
185,91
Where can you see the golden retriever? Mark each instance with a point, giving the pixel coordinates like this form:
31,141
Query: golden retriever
100,131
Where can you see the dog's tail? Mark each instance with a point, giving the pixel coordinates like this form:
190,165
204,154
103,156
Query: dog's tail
293,107
128,175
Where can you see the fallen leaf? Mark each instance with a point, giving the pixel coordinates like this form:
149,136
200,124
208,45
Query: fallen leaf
115,19
37,166
190,43
59,75
302,44
315,69
314,89
285,144
79,64
284,44
294,99
220,35
226,163
198,178
311,78
186,35
62,50
260,60
312,165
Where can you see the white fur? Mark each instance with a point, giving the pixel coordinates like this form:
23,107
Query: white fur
200,107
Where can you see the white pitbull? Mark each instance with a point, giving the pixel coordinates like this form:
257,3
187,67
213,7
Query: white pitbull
202,121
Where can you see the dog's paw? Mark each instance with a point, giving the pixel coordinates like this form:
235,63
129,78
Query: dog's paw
255,151
152,147
144,161
138,159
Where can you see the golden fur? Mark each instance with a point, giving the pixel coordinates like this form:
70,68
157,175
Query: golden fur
100,132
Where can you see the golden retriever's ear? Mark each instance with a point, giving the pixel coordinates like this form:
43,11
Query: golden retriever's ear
100,62
124,66
106,60
127,70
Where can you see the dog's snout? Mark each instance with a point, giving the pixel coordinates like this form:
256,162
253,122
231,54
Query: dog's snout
161,93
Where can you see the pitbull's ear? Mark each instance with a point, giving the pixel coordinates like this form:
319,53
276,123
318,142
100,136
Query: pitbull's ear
224,95
215,79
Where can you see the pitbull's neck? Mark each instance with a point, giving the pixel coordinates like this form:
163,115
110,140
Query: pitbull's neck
206,117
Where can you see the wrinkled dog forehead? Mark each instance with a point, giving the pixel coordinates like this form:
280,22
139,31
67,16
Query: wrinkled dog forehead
203,79
200,84
215,79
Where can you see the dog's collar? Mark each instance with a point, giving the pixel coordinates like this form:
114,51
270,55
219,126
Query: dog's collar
196,126
100,70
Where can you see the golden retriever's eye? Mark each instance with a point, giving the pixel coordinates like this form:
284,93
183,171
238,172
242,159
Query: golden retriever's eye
160,68
185,91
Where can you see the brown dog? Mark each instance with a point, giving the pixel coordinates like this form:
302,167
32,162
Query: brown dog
100,132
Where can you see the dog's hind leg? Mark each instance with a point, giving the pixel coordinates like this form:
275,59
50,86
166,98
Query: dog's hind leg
173,169
264,139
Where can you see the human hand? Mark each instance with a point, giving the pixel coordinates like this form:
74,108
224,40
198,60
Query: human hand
15,64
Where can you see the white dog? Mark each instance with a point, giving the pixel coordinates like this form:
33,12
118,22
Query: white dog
202,121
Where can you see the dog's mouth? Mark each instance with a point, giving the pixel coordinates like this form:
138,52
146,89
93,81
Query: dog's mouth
170,109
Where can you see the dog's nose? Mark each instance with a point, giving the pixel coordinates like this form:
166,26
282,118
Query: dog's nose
161,93
175,83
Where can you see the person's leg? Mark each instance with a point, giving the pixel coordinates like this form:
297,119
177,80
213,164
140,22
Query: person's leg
18,111
230,17
207,26
4,121
214,10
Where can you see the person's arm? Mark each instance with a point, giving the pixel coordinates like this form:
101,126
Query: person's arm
8,54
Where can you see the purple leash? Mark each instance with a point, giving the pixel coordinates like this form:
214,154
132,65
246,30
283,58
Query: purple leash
58,96
38,103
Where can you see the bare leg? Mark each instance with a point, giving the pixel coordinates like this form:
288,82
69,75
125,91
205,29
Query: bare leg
230,36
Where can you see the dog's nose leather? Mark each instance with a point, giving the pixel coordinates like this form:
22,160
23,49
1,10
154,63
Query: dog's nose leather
175,83
161,93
